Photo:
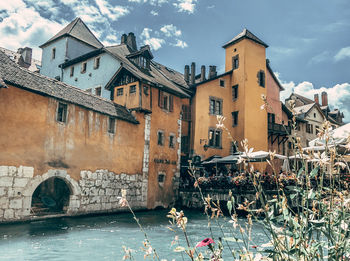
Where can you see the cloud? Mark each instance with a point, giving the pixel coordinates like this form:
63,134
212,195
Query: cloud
321,57
24,26
151,2
187,6
283,50
342,54
181,44
113,12
338,95
170,30
154,13
154,42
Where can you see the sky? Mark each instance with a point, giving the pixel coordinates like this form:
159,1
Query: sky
309,40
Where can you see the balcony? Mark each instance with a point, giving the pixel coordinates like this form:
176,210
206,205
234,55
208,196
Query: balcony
280,129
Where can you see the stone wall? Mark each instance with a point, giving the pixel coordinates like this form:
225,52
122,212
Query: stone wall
95,192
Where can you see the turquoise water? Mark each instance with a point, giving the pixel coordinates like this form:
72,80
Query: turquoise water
102,237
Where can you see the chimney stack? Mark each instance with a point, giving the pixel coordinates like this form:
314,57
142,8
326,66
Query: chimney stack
316,98
324,99
212,71
131,41
26,54
193,72
124,39
203,73
187,74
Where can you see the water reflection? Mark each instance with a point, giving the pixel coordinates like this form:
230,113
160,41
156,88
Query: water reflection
100,237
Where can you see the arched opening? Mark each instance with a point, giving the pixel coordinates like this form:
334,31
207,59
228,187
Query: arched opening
51,197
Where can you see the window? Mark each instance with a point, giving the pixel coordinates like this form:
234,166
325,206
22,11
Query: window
271,118
235,62
53,53
222,83
161,178
235,92
309,128
317,129
315,115
215,106
71,74
83,67
186,112
145,89
97,62
160,138
261,78
214,138
98,91
132,89
120,91
234,118
171,141
61,112
165,101
111,125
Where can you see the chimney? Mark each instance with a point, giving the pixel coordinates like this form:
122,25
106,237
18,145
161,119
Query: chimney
193,72
131,41
26,54
203,73
212,71
324,99
316,98
187,74
124,39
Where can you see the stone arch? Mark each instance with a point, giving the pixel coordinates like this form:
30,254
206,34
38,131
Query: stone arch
74,198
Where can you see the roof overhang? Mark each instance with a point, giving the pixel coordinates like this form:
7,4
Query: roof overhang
82,58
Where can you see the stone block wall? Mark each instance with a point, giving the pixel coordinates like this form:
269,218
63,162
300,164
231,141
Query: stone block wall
95,192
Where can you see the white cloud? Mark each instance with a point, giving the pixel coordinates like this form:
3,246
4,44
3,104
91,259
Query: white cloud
181,44
170,30
187,6
321,57
155,13
338,95
24,26
151,2
342,54
154,42
113,12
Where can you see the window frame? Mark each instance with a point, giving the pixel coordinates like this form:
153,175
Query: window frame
97,62
100,91
222,83
261,78
161,178
234,92
160,138
132,89
53,53
111,125
235,118
235,62
212,138
63,116
120,91
71,72
83,67
172,140
213,109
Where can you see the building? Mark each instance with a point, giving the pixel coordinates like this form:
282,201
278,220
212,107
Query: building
237,94
310,115
23,57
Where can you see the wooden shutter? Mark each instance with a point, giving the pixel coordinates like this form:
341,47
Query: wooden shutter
171,103
160,99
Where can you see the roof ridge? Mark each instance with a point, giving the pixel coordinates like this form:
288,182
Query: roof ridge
75,22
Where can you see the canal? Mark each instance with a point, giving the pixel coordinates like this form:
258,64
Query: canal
102,237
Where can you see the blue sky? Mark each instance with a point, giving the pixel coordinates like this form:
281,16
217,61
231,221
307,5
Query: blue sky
309,40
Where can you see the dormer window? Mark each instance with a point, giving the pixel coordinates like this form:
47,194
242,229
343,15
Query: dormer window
144,62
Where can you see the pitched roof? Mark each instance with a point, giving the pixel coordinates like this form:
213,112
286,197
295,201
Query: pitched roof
303,109
302,98
159,75
273,75
245,34
14,75
77,29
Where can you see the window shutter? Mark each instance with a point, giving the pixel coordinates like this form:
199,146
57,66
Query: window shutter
171,103
160,99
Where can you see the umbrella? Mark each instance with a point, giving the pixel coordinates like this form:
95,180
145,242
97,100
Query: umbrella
337,136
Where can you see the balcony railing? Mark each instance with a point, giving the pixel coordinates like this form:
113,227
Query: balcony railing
276,128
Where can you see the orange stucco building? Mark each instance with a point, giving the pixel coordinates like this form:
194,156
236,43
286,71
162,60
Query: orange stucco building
237,95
